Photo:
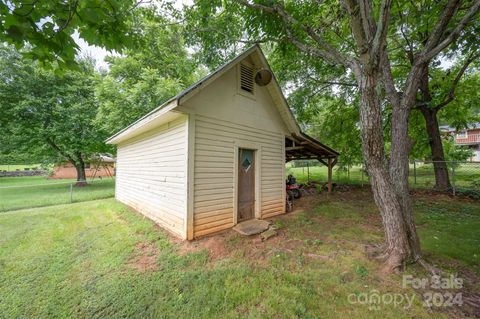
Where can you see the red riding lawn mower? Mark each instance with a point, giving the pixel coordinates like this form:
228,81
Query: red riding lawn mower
294,191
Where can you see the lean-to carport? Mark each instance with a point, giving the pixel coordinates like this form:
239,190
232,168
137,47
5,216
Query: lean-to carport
304,147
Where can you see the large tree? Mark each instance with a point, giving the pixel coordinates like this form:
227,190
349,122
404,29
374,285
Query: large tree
355,36
156,68
438,83
438,90
48,115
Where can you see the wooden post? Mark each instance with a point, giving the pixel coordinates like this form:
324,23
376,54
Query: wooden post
414,172
330,175
308,172
453,177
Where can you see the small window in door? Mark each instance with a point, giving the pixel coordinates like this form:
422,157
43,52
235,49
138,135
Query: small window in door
247,161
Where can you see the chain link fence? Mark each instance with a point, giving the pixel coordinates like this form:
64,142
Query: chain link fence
464,177
37,191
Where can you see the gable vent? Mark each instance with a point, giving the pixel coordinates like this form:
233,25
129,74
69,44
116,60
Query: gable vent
246,78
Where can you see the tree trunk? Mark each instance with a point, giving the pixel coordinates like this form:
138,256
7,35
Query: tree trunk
399,172
401,146
442,181
81,176
398,243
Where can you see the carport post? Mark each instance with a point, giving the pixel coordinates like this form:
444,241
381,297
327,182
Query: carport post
308,172
330,175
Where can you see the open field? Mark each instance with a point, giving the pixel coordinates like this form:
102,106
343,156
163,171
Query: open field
14,167
98,259
38,191
466,176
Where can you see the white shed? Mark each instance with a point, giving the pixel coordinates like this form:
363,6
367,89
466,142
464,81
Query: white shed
214,155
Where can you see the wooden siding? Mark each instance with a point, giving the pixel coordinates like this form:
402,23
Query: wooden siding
214,195
151,174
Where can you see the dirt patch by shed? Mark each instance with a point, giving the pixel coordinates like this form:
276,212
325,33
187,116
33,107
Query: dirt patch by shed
215,245
144,257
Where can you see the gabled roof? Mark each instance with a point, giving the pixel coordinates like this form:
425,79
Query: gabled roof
469,126
165,109
106,158
308,148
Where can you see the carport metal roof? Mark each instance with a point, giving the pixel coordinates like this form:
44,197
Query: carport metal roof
303,147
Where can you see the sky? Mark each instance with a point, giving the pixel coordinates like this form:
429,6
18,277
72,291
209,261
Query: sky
96,52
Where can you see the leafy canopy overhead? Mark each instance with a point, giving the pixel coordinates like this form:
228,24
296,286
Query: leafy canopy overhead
156,68
46,28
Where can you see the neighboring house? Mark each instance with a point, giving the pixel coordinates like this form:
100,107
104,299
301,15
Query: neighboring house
99,166
468,137
214,155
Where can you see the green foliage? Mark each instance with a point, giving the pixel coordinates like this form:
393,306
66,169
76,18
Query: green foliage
45,115
456,152
336,125
157,68
323,98
464,109
361,271
46,28
14,157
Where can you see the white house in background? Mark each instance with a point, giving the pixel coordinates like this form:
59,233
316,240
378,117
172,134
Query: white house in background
214,155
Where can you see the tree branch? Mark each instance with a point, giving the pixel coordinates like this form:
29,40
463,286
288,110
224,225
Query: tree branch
361,39
446,15
71,13
432,49
342,83
410,53
368,24
434,46
325,51
261,39
382,27
339,83
388,82
59,150
311,49
32,4
451,93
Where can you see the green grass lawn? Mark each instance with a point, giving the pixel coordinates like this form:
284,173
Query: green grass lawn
450,229
14,167
38,191
98,259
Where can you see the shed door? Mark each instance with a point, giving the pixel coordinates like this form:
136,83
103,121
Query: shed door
246,185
